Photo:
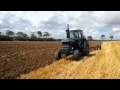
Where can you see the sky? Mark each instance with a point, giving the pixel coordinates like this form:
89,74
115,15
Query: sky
93,23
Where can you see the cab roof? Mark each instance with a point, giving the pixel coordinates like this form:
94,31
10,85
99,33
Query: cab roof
76,30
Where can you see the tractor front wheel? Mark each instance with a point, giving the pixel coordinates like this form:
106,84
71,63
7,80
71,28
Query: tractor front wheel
57,55
76,54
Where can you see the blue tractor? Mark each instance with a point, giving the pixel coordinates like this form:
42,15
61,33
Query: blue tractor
75,43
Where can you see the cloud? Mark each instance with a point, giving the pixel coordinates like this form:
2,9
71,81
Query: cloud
116,29
10,22
93,23
107,18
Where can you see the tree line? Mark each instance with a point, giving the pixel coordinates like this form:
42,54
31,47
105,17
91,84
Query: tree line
10,35
102,37
42,36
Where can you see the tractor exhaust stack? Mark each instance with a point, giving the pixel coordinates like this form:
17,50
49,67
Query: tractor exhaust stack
67,31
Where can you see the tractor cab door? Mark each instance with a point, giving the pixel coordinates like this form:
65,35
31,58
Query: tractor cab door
82,36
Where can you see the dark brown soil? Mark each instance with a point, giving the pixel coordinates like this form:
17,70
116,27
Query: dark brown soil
22,57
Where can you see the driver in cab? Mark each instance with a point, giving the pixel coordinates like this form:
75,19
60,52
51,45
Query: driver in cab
74,35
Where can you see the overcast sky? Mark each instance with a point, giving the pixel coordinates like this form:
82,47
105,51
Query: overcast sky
93,23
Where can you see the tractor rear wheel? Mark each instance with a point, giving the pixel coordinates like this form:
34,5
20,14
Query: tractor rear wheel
57,55
85,49
76,54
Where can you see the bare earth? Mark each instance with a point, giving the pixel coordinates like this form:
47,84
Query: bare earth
20,57
100,64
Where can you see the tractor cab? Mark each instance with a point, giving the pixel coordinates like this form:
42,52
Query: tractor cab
76,34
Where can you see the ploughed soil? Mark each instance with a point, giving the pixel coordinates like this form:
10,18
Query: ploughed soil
22,57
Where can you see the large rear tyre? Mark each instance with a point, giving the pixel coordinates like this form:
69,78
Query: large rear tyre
76,54
85,49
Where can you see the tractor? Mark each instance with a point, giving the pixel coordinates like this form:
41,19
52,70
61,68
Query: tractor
75,43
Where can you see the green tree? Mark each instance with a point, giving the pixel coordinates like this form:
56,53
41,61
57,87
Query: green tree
33,36
111,37
46,34
39,33
102,37
22,35
89,37
9,33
